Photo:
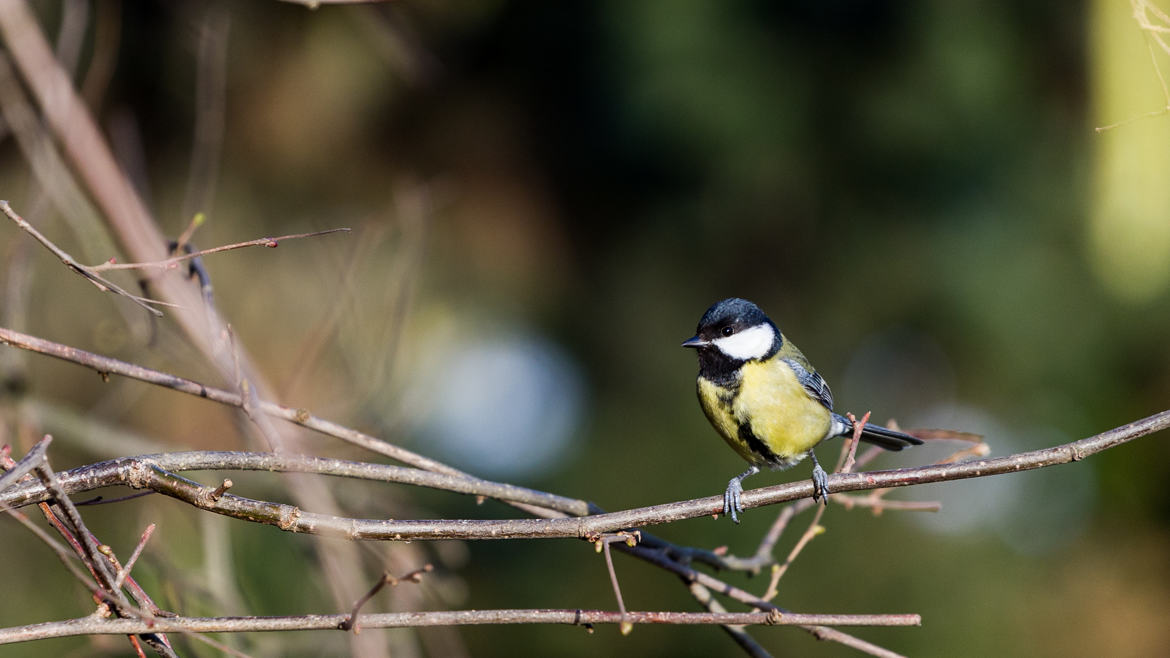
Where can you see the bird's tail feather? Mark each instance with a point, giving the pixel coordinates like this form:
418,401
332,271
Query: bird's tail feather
882,437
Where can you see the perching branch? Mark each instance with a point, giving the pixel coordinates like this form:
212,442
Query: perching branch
293,519
143,473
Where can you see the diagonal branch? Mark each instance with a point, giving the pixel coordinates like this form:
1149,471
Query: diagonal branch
127,470
26,465
106,366
86,272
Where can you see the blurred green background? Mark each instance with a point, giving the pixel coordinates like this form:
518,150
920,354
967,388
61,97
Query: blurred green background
545,197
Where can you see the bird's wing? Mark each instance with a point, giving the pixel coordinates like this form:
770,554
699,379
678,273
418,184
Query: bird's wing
812,382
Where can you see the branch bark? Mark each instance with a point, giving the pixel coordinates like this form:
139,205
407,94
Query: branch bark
98,626
146,473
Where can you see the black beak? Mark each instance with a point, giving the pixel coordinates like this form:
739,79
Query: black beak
695,342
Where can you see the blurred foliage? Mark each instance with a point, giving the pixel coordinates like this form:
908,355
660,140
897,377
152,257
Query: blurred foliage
913,191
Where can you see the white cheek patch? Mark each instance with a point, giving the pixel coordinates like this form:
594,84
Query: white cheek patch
748,344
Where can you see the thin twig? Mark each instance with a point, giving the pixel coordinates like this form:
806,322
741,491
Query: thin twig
858,428
878,504
630,539
27,464
768,543
690,575
86,272
185,237
102,500
778,570
415,576
125,570
174,261
67,557
96,560
737,633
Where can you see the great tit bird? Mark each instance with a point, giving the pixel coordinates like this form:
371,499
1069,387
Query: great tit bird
765,399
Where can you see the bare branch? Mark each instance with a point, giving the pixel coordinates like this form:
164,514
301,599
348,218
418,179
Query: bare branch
271,243
145,474
737,633
86,272
125,570
689,575
130,470
27,464
99,560
95,626
778,570
302,417
851,453
351,622
67,558
630,539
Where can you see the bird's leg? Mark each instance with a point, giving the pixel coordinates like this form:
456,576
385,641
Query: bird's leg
820,480
731,502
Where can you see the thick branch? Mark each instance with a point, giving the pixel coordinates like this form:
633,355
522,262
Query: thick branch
97,626
129,470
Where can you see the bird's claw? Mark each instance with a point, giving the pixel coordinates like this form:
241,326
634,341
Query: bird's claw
731,499
820,484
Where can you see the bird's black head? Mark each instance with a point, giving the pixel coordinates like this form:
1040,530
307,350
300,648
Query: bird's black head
732,332
734,312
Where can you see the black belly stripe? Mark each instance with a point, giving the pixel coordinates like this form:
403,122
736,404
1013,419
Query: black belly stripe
757,446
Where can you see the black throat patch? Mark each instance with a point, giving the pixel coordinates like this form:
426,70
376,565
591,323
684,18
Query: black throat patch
723,370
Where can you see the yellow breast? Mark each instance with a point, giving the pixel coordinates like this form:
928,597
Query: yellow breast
770,420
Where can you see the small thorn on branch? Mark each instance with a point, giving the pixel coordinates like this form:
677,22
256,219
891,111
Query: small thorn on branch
219,491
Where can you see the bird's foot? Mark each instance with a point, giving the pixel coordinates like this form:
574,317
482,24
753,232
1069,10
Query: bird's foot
732,504
731,499
820,484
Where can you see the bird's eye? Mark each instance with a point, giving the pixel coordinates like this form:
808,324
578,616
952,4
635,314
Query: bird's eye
727,331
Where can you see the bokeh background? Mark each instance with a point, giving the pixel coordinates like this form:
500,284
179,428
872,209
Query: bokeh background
544,198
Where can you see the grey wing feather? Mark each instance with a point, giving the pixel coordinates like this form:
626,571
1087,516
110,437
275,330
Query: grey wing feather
812,382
